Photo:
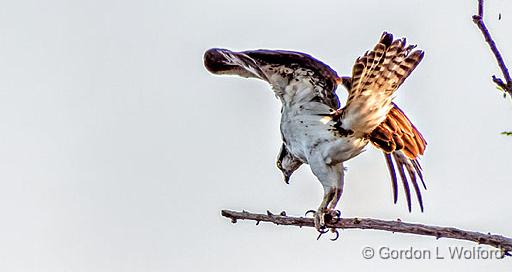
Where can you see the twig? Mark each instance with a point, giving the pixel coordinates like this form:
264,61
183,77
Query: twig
479,21
496,241
481,8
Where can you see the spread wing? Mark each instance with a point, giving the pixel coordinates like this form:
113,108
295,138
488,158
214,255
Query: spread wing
375,78
401,141
369,111
280,68
284,71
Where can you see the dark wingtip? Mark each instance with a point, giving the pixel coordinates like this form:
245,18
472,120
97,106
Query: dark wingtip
417,166
420,54
414,180
392,173
386,39
214,60
405,183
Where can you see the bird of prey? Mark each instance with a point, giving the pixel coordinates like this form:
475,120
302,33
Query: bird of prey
317,131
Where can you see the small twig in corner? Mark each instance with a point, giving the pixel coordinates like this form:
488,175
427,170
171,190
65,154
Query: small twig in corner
479,21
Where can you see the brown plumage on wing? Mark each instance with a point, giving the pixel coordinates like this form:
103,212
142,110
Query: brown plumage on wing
400,140
398,133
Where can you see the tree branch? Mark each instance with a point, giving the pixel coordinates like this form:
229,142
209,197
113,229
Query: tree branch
479,21
496,241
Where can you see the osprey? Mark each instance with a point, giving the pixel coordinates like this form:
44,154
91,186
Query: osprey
317,131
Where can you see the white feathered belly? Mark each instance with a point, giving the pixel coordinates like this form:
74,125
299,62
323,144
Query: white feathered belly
310,134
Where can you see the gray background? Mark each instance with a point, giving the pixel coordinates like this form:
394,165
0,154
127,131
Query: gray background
118,150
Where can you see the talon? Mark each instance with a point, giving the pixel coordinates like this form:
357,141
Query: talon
337,216
335,231
321,232
310,211
338,213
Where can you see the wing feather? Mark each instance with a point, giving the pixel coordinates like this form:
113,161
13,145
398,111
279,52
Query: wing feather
279,68
375,77
405,183
392,173
401,141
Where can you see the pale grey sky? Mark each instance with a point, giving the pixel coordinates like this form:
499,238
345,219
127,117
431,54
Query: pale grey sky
118,149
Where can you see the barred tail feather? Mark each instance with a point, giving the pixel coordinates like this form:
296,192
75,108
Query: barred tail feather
375,77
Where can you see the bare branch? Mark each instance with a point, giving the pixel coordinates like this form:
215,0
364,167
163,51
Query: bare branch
496,241
479,21
481,8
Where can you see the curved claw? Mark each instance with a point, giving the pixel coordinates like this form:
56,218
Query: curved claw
337,217
335,231
321,232
310,211
338,213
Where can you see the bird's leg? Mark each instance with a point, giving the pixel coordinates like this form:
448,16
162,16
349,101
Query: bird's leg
335,214
321,213
332,178
327,212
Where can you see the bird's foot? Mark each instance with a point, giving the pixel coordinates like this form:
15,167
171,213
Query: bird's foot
323,217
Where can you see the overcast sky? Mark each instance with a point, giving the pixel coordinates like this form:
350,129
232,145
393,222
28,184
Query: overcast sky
118,149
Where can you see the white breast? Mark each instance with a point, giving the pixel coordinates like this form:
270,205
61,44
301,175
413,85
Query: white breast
308,132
